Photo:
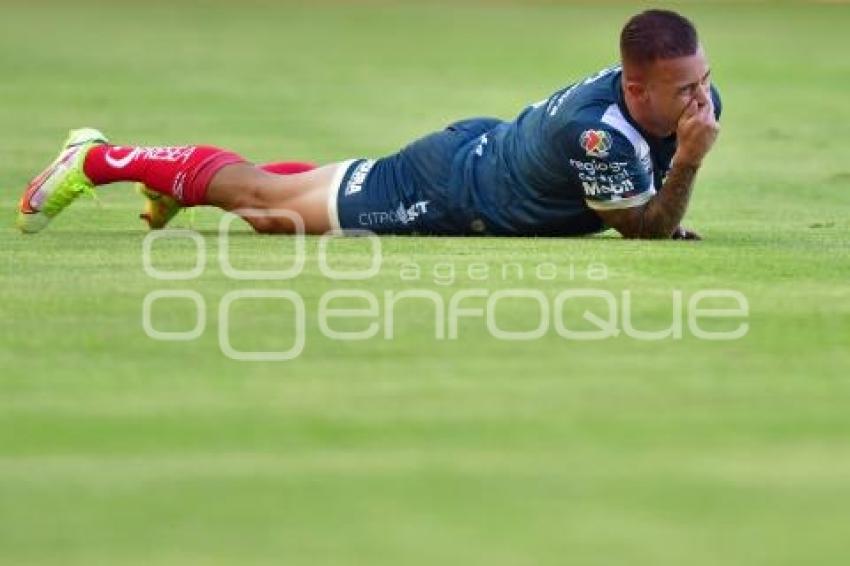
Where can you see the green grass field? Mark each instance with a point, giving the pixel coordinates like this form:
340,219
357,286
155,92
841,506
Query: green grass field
119,449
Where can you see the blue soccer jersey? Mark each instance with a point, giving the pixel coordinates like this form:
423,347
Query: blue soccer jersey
577,151
544,173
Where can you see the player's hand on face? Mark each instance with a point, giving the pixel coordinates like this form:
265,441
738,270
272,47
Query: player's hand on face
696,133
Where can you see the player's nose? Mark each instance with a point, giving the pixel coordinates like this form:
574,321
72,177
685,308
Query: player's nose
702,95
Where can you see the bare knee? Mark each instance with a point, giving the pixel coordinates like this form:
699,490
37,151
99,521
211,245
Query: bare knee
261,205
259,224
253,196
243,186
275,204
264,223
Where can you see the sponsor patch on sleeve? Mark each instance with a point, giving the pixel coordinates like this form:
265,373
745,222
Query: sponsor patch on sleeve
596,143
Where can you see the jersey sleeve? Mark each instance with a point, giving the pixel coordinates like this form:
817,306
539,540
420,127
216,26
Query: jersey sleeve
718,103
613,168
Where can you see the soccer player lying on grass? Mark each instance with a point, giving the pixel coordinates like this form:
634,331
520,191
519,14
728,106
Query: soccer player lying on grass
620,149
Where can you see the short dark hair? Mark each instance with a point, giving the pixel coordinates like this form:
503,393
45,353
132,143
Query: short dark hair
657,34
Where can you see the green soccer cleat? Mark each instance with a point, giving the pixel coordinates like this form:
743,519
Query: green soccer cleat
159,209
60,184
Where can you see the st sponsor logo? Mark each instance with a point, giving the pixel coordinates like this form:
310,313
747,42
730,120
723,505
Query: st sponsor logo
401,215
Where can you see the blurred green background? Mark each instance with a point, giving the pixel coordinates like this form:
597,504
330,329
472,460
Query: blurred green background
115,448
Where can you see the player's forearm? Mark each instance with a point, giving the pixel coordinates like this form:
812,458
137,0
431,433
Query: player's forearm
663,213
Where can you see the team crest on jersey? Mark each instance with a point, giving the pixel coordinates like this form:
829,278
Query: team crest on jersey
595,143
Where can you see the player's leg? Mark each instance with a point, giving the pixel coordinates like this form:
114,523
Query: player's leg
266,200
206,175
159,209
183,173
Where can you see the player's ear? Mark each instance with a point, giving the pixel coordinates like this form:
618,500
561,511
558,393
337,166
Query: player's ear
635,89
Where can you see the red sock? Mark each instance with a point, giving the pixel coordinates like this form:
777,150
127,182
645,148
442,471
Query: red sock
182,172
288,167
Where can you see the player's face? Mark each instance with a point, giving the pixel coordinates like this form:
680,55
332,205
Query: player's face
672,84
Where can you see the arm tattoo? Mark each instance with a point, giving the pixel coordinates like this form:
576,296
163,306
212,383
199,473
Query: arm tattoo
663,213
